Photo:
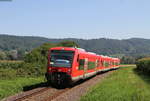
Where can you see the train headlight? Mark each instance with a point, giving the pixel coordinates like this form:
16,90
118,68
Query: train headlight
49,69
59,70
69,70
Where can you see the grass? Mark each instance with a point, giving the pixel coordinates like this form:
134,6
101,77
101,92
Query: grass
124,84
13,86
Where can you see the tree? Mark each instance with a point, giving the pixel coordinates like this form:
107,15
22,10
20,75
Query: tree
13,55
128,60
68,44
3,55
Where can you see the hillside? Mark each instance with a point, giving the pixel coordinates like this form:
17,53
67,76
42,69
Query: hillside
134,46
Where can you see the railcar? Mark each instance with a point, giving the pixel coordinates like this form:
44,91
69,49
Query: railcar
68,65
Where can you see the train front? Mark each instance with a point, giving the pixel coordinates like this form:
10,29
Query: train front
59,68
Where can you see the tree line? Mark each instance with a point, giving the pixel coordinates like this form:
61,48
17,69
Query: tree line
129,50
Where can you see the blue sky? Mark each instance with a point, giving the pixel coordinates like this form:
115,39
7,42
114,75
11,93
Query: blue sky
117,19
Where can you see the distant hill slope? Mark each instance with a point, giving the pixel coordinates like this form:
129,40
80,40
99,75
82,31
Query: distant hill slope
8,42
134,46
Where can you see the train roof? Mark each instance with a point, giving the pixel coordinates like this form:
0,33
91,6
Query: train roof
69,48
81,50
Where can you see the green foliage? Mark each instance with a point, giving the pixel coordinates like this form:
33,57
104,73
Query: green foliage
122,85
31,70
143,65
68,44
2,55
38,55
128,60
11,70
7,74
10,64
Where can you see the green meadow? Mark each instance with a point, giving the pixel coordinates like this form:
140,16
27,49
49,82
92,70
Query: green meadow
13,86
124,84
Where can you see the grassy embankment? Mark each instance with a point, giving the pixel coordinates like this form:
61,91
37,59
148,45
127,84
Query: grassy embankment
13,80
13,86
125,84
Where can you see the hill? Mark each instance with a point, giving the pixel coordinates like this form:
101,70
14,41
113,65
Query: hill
115,47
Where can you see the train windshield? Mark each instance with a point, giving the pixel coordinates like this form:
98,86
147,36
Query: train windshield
61,58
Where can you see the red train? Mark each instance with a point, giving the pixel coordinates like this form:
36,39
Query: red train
68,65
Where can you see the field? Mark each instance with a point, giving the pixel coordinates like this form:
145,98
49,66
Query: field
125,84
14,78
13,86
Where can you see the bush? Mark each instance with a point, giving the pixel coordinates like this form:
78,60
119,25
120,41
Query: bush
7,74
26,70
32,69
143,65
10,64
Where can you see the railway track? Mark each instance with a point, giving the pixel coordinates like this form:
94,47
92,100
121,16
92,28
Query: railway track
56,94
31,94
39,94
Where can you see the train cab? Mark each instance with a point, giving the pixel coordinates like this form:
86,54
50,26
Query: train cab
60,64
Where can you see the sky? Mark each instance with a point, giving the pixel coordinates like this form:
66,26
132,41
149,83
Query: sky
86,19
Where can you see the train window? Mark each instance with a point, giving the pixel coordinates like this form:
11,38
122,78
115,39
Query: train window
113,63
61,58
81,64
98,63
91,65
106,64
102,62
117,63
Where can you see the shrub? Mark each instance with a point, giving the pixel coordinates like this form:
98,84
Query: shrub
32,69
7,73
10,64
143,65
